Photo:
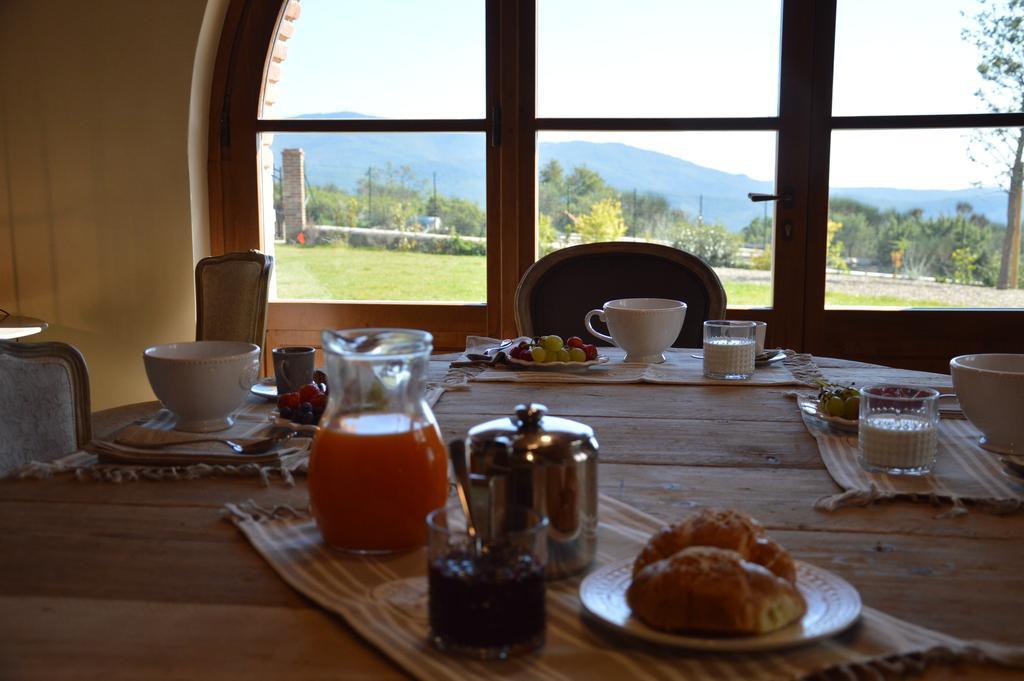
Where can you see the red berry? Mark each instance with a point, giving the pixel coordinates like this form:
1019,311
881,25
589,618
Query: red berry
591,352
309,391
574,342
319,403
289,401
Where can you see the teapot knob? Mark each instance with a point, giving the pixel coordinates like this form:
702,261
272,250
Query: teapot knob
529,416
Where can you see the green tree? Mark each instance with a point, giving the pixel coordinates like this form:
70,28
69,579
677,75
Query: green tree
998,33
330,205
391,196
547,237
647,214
462,215
603,223
584,188
758,232
713,243
551,190
835,248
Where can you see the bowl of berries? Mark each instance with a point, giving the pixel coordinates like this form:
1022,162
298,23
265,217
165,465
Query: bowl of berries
306,405
550,353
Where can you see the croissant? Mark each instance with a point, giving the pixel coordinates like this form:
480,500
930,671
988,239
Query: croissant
724,529
708,589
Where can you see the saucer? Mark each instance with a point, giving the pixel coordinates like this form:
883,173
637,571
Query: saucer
266,388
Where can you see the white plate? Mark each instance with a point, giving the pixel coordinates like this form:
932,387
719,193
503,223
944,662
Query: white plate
832,606
837,422
267,389
557,366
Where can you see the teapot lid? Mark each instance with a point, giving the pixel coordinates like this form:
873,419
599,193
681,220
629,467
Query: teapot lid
531,431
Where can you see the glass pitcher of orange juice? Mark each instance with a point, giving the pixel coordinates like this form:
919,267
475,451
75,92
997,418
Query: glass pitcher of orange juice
377,465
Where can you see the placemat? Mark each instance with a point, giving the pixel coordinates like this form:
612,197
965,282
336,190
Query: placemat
114,461
963,472
679,368
384,600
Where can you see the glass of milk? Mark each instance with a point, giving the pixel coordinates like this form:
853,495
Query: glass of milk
899,429
729,349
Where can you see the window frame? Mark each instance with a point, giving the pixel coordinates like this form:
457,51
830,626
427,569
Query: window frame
913,338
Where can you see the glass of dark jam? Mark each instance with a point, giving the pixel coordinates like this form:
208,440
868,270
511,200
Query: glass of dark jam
487,602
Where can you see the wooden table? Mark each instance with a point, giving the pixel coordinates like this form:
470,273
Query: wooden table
144,580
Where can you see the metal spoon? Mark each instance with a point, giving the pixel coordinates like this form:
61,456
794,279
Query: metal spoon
457,452
257,447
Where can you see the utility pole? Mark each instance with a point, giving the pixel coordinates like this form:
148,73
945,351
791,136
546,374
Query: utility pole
369,195
700,211
435,194
635,225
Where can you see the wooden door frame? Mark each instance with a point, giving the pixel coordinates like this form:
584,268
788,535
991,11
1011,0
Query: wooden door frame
922,339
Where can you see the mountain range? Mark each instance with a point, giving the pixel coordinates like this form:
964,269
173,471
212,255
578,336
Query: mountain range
458,161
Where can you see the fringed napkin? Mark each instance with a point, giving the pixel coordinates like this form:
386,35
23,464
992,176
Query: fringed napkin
963,472
122,460
384,600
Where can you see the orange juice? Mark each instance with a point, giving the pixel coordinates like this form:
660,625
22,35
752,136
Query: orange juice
373,478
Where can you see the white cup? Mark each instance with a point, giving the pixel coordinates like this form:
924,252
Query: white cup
643,327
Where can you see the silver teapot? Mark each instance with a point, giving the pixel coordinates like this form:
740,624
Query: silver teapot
541,462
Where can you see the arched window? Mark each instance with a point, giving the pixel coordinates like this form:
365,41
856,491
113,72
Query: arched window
405,162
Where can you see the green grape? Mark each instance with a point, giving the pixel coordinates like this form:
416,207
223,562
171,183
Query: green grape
851,409
538,354
552,343
834,406
577,355
562,355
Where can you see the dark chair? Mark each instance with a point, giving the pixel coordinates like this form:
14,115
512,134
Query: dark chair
231,297
44,402
560,288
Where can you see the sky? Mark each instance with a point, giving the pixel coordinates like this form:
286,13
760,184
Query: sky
413,59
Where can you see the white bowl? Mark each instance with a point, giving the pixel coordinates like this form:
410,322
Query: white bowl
202,382
991,392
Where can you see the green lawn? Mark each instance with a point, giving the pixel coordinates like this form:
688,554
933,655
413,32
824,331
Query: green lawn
337,272
754,294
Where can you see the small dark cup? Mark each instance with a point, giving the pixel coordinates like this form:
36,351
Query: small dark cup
293,367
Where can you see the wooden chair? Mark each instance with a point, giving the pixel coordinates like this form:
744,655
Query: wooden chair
44,403
231,297
560,288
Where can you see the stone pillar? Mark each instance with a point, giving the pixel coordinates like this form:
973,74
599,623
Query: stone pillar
293,193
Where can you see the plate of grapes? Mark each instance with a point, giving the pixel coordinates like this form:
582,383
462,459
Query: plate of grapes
836,405
551,353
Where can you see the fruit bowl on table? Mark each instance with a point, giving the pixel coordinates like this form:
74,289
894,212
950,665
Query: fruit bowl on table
302,408
551,353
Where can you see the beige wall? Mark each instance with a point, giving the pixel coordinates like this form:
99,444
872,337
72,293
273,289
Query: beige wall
102,210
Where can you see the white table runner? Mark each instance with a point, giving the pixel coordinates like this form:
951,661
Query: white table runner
384,600
680,368
963,472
